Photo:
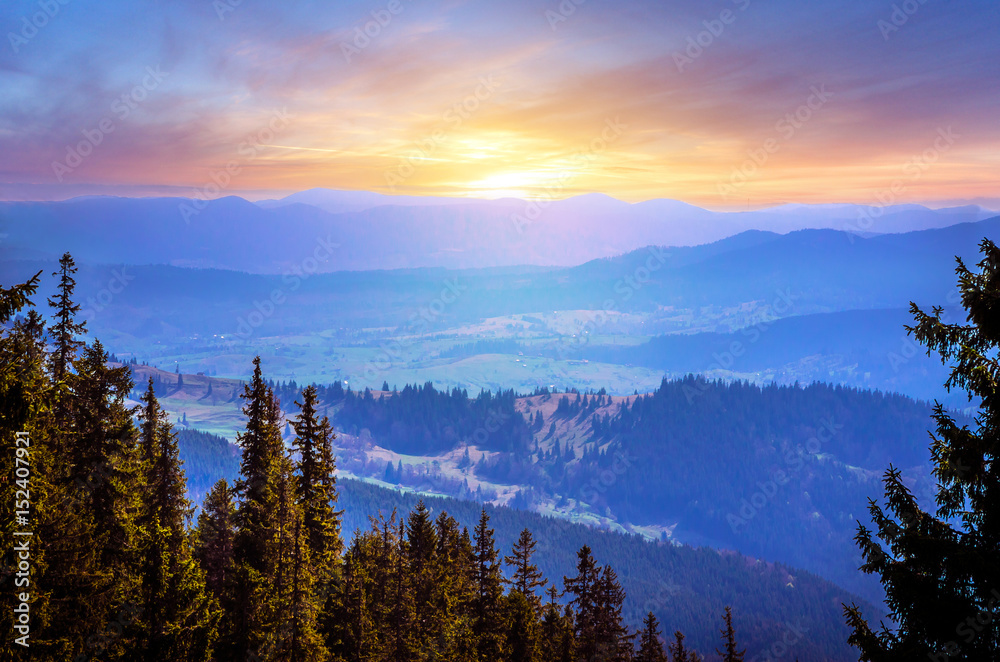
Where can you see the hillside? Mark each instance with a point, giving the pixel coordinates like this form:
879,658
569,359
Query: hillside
861,348
683,463
403,326
685,587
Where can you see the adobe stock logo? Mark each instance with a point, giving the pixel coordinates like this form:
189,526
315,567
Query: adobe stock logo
786,128
119,280
364,34
292,279
565,9
698,43
30,27
900,15
94,137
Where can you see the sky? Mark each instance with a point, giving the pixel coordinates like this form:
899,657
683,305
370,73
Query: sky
728,103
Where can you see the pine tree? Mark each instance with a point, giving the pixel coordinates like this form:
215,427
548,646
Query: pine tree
177,623
556,632
257,540
399,622
352,633
678,653
941,572
522,628
731,653
213,538
614,639
316,488
66,328
488,625
527,577
583,587
453,590
650,646
421,548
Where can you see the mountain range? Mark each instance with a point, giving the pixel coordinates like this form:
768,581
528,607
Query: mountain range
362,231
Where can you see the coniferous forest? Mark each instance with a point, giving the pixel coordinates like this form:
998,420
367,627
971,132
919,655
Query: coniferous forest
105,560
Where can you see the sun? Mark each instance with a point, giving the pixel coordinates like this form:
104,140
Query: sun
524,184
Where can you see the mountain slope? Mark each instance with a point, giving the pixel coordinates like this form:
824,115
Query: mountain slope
863,348
686,462
687,588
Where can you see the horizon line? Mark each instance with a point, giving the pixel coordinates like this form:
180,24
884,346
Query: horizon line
258,196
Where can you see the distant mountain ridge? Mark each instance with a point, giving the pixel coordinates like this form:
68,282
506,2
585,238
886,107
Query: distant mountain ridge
356,230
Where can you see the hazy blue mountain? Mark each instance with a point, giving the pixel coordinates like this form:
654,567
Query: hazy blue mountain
338,202
722,287
864,348
373,231
820,270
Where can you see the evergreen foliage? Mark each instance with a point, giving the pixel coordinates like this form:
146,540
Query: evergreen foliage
119,573
941,570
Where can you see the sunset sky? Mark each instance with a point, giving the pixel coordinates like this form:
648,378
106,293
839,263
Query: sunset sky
639,100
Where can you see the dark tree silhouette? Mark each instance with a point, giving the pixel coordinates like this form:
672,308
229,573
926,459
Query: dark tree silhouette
941,571
730,652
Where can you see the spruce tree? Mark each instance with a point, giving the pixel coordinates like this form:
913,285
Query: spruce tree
316,494
453,589
66,328
527,577
87,527
302,641
352,628
213,538
678,653
522,628
421,548
556,637
72,594
730,652
614,639
316,484
650,646
289,610
177,620
256,544
583,587
165,484
941,571
104,437
24,416
488,623
401,616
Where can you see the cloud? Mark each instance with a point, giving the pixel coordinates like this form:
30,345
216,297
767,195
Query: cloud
357,114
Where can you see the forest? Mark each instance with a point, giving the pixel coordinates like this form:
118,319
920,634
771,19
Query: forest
684,586
108,565
694,451
264,574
